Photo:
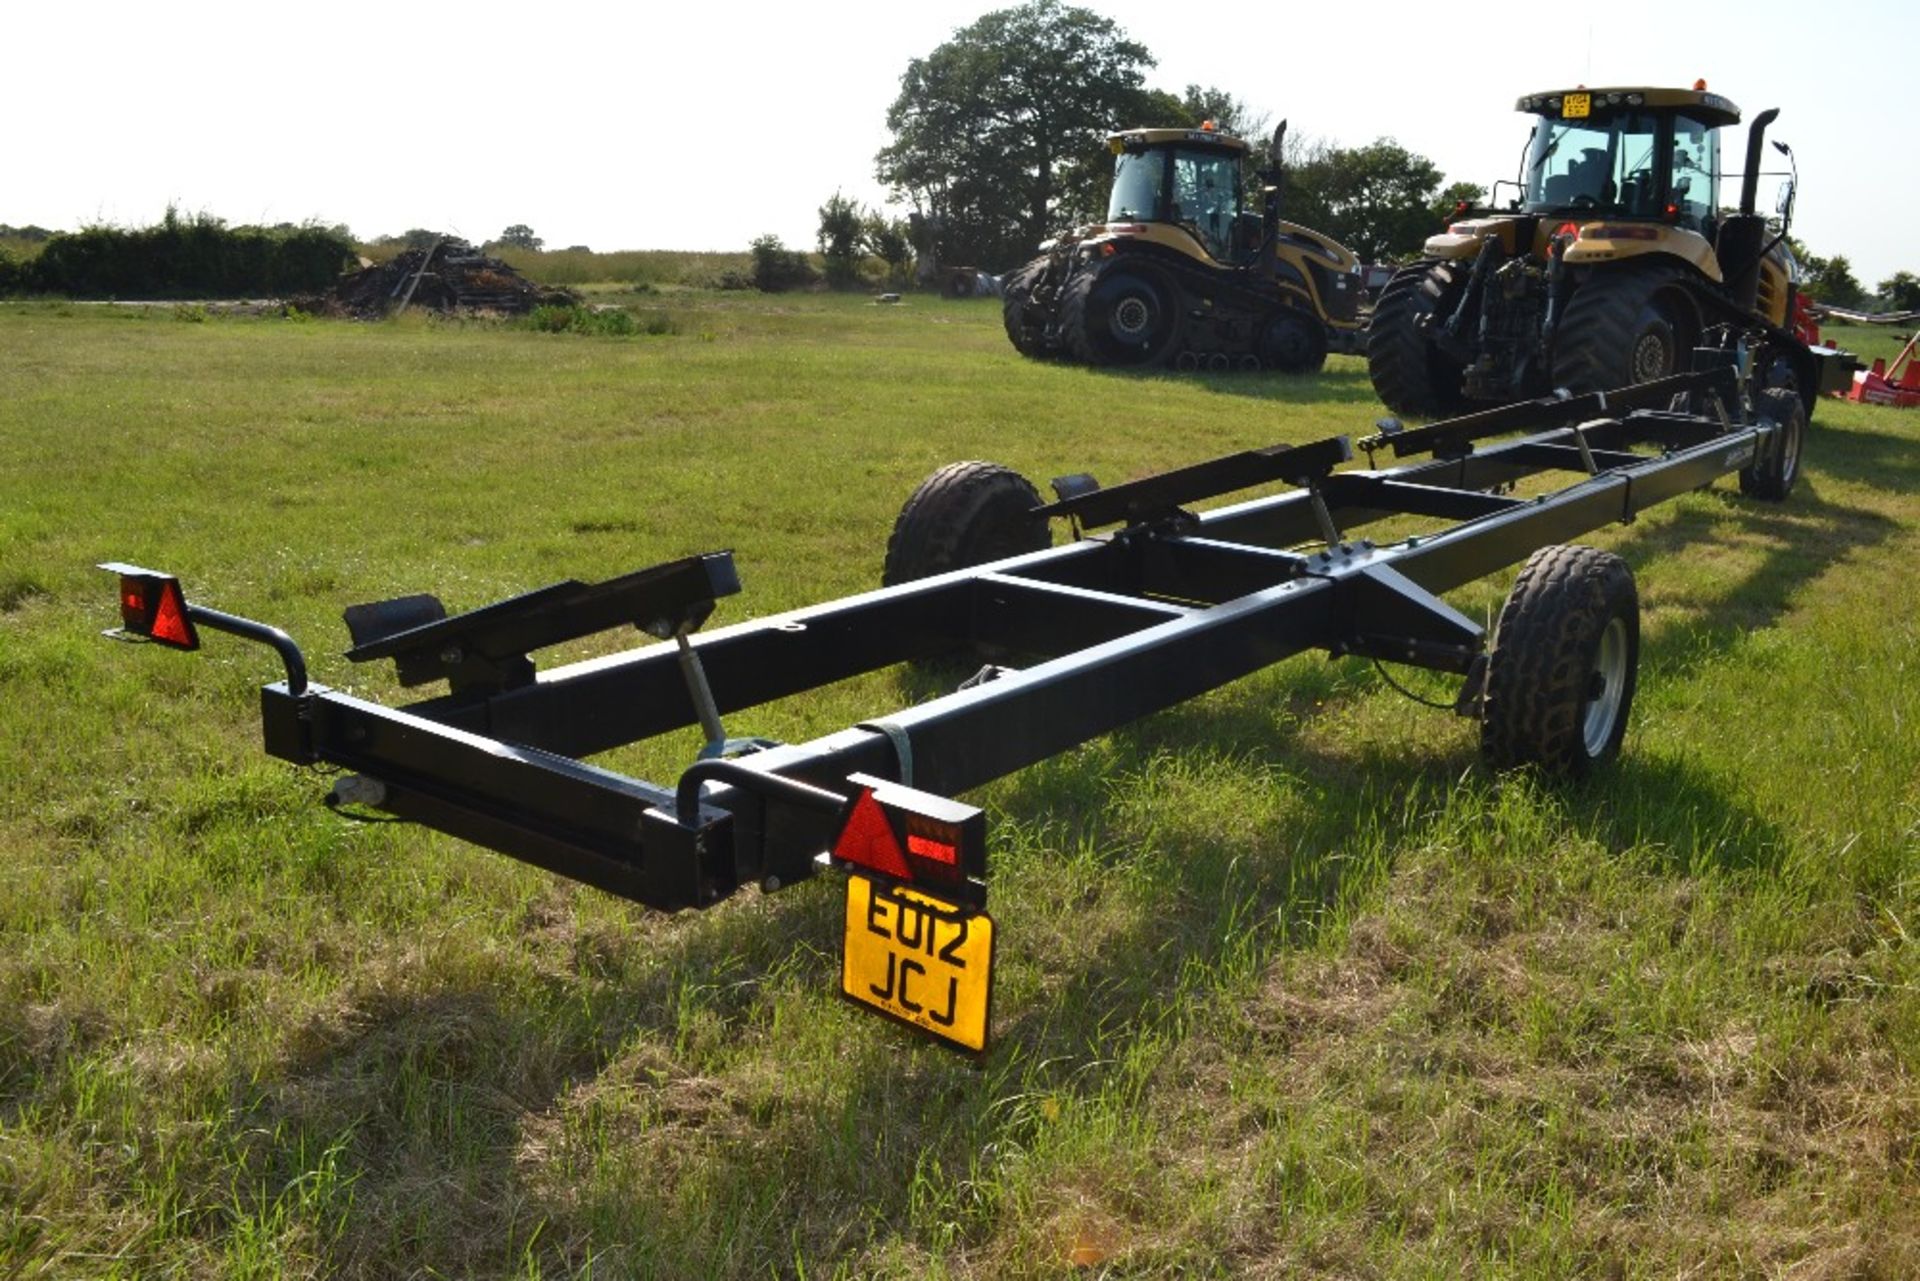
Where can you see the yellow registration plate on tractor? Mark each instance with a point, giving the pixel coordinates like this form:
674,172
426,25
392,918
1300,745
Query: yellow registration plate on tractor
917,959
1576,106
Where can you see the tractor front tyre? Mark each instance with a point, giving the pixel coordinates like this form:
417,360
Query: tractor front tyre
1561,674
1127,314
1624,325
1293,343
1776,466
1015,313
1410,374
963,515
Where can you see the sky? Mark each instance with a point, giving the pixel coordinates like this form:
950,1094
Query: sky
701,126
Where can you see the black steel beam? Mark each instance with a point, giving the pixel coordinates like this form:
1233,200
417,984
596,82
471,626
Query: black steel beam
1548,457
1379,493
1548,412
1027,616
561,814
1155,496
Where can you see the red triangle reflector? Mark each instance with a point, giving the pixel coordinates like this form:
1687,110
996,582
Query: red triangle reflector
868,839
170,625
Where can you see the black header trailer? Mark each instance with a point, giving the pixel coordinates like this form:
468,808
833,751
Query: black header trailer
1149,605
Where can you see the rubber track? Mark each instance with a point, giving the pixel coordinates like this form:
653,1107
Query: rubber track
1399,357
1593,343
1193,283
964,514
1537,675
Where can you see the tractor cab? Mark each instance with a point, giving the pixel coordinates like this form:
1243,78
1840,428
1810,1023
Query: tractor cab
1650,154
1186,178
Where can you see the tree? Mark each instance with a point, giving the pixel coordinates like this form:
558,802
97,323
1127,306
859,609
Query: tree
1230,115
414,238
1455,195
841,242
777,268
1901,291
987,124
1830,280
520,236
1380,200
891,241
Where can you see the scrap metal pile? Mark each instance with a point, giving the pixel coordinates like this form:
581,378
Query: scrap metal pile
450,276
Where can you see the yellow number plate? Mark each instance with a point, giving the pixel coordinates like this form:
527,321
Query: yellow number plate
917,959
1576,106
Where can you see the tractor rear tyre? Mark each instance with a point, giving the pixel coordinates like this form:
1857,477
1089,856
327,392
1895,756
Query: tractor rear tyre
1624,325
963,515
1410,374
1127,314
1293,343
1774,469
1015,313
1561,674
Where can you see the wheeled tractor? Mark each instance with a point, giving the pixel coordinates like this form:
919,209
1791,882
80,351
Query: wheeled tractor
1612,265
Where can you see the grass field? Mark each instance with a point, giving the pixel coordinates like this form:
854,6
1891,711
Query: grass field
1289,985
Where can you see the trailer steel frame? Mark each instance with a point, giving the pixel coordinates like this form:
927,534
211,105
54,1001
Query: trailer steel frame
1164,607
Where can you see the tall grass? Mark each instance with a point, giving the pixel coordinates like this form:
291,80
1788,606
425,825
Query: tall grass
655,267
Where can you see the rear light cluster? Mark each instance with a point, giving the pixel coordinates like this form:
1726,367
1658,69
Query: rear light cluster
152,607
914,838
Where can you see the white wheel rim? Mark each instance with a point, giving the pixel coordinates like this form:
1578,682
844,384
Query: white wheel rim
1789,450
1132,317
1609,686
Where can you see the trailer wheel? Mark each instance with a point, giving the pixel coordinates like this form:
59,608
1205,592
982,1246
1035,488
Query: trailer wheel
1015,314
964,514
1774,470
1410,374
1561,675
1127,314
1293,343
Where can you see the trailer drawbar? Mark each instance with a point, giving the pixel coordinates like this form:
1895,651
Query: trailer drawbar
1148,605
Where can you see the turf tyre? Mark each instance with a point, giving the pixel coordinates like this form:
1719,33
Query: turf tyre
1016,312
1410,374
1561,675
1624,325
963,515
1775,468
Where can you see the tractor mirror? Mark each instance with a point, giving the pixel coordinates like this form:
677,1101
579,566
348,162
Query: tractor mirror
1783,203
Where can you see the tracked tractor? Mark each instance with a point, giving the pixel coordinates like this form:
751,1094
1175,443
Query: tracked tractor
1183,273
1612,265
